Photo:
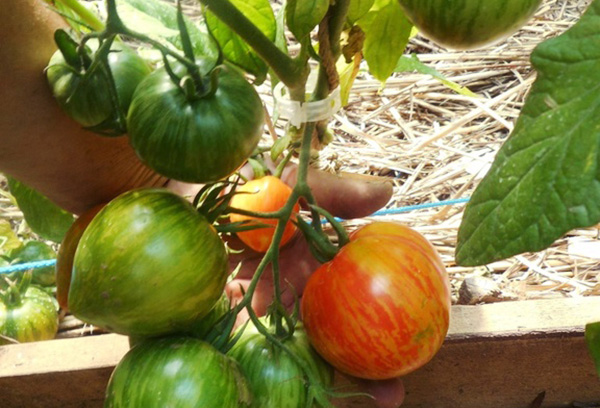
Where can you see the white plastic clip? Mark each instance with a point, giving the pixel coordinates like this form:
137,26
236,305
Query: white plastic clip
298,113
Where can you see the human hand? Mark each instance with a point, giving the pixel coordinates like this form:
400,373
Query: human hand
347,196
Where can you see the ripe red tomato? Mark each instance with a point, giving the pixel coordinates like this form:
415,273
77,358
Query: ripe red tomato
266,194
381,308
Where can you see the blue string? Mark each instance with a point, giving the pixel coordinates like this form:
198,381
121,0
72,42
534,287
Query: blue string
27,265
408,208
388,211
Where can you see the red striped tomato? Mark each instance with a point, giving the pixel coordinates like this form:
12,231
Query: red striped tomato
381,308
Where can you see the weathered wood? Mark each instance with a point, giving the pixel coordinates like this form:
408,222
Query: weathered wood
497,355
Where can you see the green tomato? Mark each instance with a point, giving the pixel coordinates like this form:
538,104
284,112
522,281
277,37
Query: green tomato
467,24
27,317
201,327
148,264
180,372
34,251
195,138
85,95
276,379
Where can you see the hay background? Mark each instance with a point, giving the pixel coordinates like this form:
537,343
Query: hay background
435,145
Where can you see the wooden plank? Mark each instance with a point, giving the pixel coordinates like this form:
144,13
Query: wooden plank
496,355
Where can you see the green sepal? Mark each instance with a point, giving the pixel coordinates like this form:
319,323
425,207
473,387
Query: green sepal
69,48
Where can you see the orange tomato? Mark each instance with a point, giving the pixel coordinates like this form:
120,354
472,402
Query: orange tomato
381,308
266,194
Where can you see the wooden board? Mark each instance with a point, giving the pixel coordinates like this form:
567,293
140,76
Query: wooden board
496,355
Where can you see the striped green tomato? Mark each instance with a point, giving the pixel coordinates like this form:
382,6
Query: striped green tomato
84,95
195,138
380,308
467,24
148,264
180,372
276,379
32,316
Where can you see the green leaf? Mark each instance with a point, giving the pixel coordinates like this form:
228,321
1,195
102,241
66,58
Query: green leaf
412,63
8,238
304,15
592,338
43,217
545,180
358,9
387,32
158,20
234,48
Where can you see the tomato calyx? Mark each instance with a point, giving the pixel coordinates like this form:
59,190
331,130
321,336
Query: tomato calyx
12,295
321,246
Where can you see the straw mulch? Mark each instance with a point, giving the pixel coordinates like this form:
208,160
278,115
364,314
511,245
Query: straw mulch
436,145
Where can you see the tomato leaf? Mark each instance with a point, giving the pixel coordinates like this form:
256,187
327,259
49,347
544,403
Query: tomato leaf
545,179
8,238
412,63
43,216
234,48
304,15
357,9
158,19
387,32
592,338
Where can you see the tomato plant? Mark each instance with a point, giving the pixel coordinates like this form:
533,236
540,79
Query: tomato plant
467,24
66,254
178,372
33,251
266,194
27,313
191,136
380,308
82,89
146,265
275,377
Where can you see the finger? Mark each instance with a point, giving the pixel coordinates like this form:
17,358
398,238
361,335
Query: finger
345,195
295,266
377,394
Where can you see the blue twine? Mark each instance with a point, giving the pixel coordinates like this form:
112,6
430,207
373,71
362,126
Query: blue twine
387,211
408,208
27,265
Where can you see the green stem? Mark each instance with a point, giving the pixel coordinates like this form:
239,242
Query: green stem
290,71
335,25
337,20
86,15
114,25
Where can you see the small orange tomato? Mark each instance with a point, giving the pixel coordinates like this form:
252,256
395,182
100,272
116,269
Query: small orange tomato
381,308
66,253
266,194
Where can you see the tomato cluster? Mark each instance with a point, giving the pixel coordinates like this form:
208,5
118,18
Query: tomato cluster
195,124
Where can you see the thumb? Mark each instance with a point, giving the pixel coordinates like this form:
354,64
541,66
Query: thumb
345,195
